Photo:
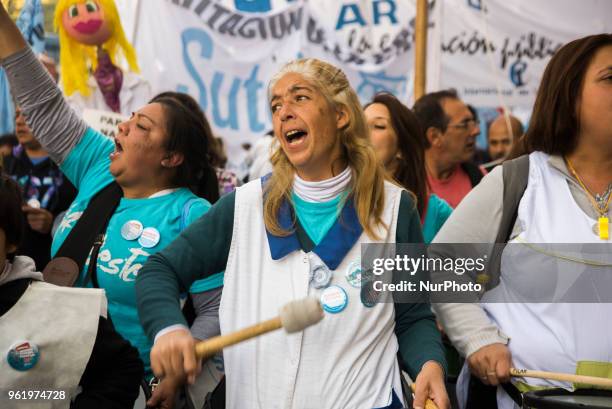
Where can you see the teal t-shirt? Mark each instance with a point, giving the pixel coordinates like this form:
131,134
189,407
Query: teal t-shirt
437,213
317,218
120,259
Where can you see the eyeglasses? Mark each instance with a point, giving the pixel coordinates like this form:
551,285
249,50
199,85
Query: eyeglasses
464,125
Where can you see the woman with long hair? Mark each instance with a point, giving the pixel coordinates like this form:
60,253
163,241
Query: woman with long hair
400,143
567,191
299,233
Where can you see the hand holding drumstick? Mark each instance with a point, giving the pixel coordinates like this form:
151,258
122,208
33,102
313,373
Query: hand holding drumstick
176,354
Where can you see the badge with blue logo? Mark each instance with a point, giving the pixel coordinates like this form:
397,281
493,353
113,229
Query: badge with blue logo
23,355
353,274
334,299
320,274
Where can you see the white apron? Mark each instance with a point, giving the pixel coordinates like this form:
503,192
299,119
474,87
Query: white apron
62,323
551,335
348,360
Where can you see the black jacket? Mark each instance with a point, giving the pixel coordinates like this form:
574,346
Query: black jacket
114,371
47,184
473,172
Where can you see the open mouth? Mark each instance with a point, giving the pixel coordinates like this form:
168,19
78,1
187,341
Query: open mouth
118,150
88,27
295,136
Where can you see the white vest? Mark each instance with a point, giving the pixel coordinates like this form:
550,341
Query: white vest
348,360
552,336
63,323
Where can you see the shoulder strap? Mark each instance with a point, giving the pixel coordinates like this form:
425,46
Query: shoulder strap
94,219
516,176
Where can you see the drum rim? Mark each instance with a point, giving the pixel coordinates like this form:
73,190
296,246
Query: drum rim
531,399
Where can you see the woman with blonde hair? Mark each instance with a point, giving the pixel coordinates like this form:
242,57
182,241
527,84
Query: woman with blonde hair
294,234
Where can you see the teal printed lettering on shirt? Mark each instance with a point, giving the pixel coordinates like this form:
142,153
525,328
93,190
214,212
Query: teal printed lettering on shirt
120,260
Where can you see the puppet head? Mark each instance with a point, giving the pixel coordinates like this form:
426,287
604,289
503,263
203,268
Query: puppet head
83,26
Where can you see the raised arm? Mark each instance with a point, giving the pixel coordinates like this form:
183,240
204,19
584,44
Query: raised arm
53,123
11,40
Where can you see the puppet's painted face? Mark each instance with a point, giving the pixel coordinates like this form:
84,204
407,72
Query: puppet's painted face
85,23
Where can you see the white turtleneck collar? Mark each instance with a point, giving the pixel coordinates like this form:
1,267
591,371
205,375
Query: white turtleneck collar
324,190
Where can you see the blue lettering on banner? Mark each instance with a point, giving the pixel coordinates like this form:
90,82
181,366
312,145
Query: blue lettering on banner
253,5
516,73
378,12
351,14
251,85
232,119
343,19
371,84
196,35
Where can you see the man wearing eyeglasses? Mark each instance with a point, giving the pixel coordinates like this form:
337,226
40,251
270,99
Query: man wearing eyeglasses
451,132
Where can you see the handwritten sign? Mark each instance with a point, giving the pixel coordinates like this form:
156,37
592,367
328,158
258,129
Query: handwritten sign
103,121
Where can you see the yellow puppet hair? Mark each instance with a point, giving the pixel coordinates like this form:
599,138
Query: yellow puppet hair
77,59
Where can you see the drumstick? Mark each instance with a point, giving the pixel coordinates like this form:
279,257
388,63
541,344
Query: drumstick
564,377
429,404
294,316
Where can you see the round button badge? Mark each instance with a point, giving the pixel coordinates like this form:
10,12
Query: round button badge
353,274
149,237
131,230
23,355
320,276
334,299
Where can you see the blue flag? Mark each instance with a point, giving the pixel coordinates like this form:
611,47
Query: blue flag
31,22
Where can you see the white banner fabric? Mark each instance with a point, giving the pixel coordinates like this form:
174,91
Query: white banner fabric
224,58
494,52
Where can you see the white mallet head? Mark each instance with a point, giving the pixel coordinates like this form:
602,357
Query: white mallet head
300,314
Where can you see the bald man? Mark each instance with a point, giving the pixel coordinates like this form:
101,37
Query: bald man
500,139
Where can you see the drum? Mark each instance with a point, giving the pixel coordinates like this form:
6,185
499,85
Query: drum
562,399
